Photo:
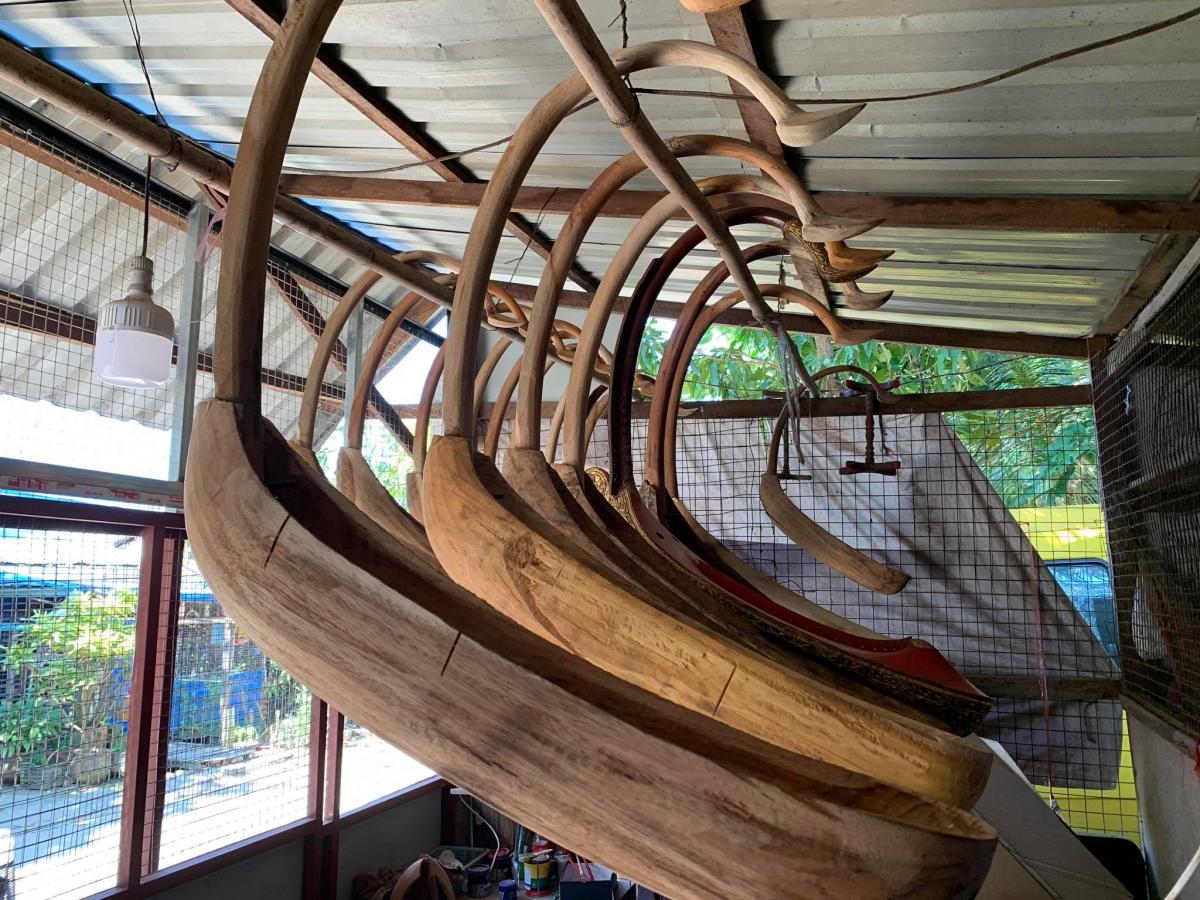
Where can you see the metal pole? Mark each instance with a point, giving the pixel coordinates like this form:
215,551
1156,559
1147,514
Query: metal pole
191,309
354,342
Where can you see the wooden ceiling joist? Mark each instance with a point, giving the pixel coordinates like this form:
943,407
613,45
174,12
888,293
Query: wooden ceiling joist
898,332
352,88
1069,214
314,322
730,32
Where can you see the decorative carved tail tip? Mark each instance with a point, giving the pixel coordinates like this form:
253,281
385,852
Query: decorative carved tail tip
825,227
865,300
803,128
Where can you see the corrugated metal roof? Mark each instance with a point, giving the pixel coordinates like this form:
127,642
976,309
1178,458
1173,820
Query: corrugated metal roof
1120,121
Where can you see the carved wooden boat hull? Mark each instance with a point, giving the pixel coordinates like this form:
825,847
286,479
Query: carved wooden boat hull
643,785
493,544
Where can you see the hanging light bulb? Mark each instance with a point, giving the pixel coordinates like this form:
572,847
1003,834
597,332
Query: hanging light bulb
134,335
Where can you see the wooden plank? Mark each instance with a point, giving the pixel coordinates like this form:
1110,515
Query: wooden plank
898,332
1029,687
730,32
769,408
1156,268
1141,288
1076,215
371,103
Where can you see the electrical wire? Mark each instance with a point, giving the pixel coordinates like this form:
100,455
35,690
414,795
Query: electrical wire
131,16
958,88
495,834
1185,878
146,208
803,101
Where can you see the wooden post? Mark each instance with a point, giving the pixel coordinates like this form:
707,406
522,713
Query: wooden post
149,705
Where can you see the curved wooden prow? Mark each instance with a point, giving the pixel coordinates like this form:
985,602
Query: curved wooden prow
805,533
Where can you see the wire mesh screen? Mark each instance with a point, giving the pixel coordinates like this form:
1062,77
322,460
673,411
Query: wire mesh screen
372,768
1148,421
294,315
995,516
237,754
68,604
63,253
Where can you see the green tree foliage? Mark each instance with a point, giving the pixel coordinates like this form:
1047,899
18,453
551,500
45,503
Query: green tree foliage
388,460
1032,457
74,659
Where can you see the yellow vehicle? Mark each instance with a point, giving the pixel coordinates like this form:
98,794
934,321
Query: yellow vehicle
1072,543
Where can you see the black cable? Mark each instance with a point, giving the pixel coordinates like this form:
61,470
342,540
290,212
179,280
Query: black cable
146,208
131,17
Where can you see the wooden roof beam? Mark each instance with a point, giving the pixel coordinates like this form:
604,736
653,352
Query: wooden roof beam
370,102
1077,215
898,332
730,32
1153,273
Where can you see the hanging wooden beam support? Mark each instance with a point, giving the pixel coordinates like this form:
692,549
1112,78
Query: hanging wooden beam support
730,32
898,332
1077,215
351,87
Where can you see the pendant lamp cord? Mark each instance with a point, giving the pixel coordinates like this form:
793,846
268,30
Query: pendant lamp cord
146,208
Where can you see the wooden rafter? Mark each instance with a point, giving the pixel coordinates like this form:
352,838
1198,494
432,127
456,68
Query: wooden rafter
1057,214
1156,268
899,332
314,322
730,32
352,88
1158,265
